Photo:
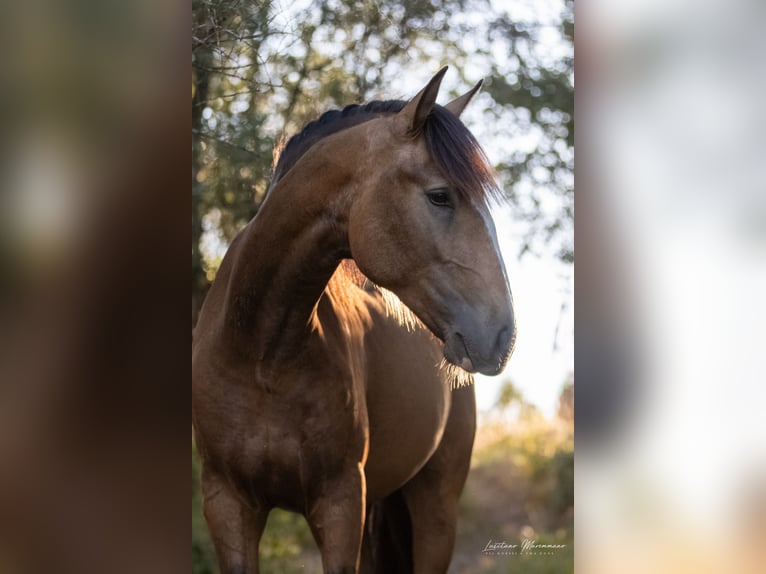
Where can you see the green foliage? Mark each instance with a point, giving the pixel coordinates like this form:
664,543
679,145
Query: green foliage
287,545
535,92
509,395
512,403
562,496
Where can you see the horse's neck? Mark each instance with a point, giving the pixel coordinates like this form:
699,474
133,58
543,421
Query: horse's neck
284,260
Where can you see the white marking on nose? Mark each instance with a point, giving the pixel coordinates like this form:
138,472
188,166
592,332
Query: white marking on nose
489,225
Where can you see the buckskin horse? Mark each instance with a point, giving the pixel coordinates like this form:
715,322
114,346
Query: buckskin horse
318,391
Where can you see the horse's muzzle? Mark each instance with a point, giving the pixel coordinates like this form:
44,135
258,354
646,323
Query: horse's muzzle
481,350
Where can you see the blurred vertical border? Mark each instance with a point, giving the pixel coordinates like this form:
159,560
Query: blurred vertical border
671,247
94,400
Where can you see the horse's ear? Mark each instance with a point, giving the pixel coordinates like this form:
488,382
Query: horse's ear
457,105
414,114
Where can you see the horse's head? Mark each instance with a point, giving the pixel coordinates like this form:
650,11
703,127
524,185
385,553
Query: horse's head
420,226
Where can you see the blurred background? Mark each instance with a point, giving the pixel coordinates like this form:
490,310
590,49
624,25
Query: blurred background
94,335
671,237
262,70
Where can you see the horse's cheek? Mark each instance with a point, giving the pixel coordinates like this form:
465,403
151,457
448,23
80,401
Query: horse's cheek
369,243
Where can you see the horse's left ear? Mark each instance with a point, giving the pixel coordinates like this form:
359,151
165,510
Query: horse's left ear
414,114
457,105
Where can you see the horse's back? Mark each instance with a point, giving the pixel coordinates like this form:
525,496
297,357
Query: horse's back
408,402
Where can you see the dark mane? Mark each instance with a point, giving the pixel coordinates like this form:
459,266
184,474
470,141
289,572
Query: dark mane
329,123
457,154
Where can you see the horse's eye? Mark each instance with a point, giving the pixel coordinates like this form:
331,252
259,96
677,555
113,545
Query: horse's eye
440,198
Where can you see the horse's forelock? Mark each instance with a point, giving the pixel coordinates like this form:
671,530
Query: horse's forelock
459,157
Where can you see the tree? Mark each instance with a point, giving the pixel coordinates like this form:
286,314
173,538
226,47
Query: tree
536,88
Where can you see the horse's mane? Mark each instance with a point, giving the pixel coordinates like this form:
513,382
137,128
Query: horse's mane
457,154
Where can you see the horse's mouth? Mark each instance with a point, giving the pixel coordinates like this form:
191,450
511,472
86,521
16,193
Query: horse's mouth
456,352
453,344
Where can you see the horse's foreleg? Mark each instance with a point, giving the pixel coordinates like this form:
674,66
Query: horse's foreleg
432,495
234,527
434,521
336,518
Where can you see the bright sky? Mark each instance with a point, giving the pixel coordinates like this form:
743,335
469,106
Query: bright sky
544,354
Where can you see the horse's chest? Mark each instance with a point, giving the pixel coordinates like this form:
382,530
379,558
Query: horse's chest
276,443
408,403
403,436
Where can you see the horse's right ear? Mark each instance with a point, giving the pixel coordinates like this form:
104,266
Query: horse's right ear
414,114
457,105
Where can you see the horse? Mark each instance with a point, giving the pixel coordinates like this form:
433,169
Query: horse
333,354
